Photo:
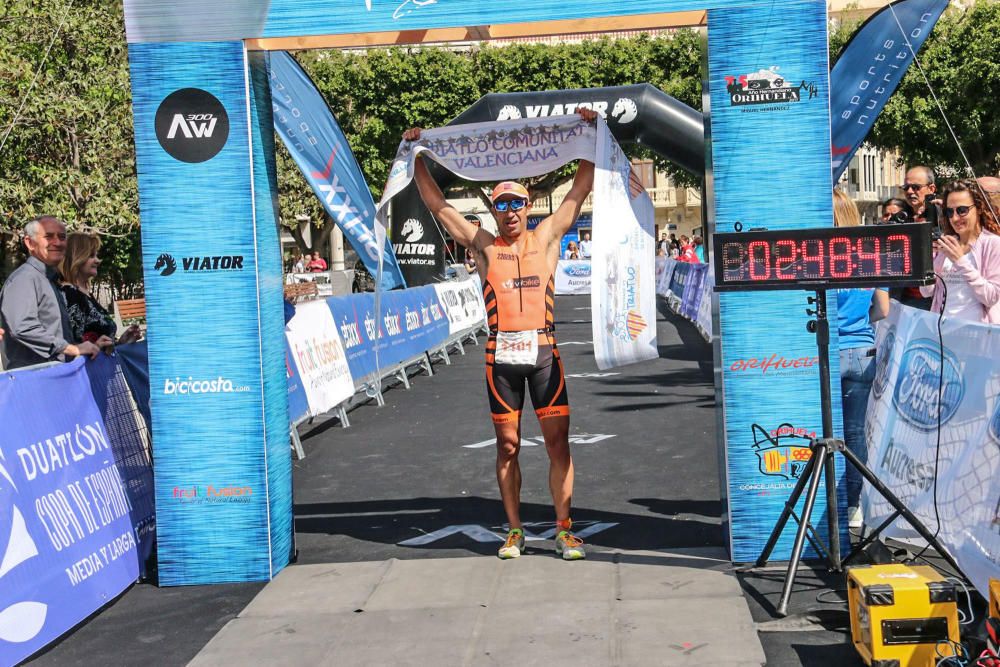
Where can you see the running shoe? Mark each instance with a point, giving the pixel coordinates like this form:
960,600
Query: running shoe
514,545
569,546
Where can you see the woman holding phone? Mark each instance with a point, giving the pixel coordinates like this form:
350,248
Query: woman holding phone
967,257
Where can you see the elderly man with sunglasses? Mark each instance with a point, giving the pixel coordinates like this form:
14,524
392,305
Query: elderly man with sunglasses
917,185
517,269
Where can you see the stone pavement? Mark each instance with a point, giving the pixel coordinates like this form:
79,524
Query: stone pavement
682,607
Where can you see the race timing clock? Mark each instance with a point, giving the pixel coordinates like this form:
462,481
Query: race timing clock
824,258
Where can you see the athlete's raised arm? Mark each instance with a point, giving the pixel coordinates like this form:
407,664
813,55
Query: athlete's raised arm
463,231
556,225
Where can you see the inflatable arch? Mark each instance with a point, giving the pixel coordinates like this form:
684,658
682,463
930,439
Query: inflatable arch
207,189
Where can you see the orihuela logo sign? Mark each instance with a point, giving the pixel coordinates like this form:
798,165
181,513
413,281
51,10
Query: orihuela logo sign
766,87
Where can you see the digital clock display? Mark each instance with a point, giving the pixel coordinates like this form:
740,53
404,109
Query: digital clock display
878,256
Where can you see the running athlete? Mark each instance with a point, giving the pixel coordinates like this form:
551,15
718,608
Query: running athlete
517,270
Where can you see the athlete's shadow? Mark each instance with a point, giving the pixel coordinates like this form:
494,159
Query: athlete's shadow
470,524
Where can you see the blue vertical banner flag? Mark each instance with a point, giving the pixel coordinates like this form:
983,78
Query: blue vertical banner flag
870,68
770,124
317,144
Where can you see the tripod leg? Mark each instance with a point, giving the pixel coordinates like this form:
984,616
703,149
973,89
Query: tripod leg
821,453
786,513
831,513
871,538
899,507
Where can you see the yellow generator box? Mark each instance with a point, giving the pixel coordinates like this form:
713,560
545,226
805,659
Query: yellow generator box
899,613
994,598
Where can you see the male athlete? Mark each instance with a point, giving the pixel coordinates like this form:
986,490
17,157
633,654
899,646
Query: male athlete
517,270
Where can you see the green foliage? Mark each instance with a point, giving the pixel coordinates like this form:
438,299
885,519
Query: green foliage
962,61
71,151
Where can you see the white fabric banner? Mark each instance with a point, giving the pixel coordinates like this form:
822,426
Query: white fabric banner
492,151
622,258
902,430
319,355
463,303
573,276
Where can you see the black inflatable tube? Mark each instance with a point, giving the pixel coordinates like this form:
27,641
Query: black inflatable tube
640,113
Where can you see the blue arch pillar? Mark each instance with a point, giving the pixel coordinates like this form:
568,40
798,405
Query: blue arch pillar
212,265
770,168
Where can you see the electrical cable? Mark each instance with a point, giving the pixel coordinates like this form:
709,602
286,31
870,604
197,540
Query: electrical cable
968,597
34,80
937,447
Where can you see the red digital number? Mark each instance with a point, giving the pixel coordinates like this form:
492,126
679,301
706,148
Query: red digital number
814,260
755,250
898,252
840,257
784,262
868,251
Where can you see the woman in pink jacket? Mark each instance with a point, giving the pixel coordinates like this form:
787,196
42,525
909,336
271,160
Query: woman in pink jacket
967,257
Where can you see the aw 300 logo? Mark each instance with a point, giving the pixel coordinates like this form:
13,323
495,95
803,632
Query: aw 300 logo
920,378
192,125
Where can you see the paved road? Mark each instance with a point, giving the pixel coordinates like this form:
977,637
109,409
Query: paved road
414,479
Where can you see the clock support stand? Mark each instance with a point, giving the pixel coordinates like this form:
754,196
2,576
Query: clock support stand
821,462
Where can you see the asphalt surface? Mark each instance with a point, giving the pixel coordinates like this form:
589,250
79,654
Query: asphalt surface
415,479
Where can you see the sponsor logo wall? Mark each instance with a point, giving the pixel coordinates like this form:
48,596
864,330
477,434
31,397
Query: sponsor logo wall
332,344
693,296
902,434
70,534
573,276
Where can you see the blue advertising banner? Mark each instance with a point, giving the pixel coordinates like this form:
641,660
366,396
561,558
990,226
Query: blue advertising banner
411,322
870,68
317,144
67,544
298,406
129,436
770,124
134,361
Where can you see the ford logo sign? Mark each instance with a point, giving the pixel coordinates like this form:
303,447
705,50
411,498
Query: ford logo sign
882,358
916,393
577,270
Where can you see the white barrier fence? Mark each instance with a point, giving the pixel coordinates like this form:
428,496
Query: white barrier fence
902,428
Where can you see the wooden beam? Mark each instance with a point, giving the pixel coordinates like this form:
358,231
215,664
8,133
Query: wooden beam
482,33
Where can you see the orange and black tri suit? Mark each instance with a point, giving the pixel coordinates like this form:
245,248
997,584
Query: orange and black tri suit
520,296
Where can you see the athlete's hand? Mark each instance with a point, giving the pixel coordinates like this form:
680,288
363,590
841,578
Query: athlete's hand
588,115
412,134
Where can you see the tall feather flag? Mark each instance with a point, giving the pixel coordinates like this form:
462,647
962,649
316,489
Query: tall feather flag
870,68
317,144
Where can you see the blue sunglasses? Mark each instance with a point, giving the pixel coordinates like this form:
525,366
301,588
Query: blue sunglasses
514,204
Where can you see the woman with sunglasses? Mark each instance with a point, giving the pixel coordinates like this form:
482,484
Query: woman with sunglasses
967,257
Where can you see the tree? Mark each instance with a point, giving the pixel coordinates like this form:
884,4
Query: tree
961,59
70,150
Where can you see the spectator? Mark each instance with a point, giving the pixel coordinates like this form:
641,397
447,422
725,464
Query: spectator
699,249
661,251
675,252
88,319
585,246
674,242
316,264
919,183
663,245
967,257
857,308
896,211
298,264
991,188
32,307
686,253
571,251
